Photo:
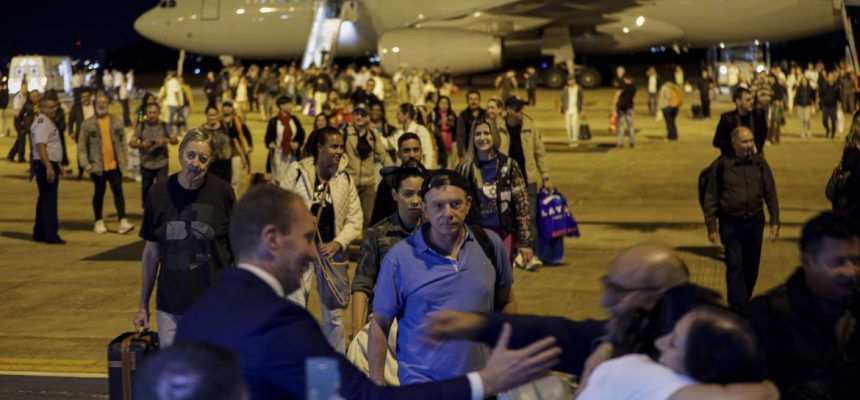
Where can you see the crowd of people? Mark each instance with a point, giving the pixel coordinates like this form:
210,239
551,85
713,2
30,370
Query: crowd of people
443,207
786,87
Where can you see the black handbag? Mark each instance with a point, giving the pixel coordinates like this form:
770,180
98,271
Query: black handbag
584,130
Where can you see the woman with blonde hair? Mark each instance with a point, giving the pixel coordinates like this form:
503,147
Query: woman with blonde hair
500,198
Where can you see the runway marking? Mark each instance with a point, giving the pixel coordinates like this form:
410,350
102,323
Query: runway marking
58,368
55,374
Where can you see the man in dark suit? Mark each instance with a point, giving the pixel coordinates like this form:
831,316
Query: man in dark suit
271,234
745,114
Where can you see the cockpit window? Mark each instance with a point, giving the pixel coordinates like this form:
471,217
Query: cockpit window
167,4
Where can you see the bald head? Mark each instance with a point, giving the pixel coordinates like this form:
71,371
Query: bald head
639,274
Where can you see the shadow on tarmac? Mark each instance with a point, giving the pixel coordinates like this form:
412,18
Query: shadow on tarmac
128,252
18,236
712,252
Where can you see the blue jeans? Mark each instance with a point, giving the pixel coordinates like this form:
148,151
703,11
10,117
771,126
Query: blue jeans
652,103
669,115
627,117
332,319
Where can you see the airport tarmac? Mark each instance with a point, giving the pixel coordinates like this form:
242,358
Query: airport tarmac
63,304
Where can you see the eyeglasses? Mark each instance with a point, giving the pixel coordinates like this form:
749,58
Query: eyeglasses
614,287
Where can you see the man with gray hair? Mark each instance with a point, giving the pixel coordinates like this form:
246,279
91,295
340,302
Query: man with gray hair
102,153
740,184
185,221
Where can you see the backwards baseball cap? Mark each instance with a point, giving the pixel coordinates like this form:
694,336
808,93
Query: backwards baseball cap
360,108
444,177
227,103
514,103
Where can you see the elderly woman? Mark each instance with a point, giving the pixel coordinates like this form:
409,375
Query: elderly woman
500,200
322,181
185,222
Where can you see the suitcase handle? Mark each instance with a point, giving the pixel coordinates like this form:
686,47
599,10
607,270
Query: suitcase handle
125,357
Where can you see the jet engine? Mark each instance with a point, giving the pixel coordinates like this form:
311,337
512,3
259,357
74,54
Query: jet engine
461,51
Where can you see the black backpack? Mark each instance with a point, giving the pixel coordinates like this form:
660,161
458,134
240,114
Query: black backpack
486,243
837,188
705,178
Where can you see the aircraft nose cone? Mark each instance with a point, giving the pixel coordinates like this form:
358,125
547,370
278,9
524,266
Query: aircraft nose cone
146,25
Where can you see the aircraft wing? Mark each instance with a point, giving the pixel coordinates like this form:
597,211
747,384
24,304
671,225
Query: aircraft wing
594,25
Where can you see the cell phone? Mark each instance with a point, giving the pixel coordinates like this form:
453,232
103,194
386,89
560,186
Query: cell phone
322,379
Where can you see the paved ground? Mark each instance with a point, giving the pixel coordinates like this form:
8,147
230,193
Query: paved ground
62,304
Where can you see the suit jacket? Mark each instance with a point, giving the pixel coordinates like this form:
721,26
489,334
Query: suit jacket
577,339
272,337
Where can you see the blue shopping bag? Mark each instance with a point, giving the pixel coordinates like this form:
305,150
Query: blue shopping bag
554,216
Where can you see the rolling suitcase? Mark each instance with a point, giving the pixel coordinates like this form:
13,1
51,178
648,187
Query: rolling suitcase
125,355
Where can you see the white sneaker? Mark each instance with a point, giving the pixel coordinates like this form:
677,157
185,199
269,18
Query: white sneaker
100,227
125,226
533,264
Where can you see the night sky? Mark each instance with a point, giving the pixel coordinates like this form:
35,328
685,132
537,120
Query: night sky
53,27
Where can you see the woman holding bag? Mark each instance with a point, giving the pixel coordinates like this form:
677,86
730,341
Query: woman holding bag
321,180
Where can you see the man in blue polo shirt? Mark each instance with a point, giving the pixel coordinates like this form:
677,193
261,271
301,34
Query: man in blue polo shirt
442,266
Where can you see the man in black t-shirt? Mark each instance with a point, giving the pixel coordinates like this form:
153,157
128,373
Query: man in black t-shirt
185,225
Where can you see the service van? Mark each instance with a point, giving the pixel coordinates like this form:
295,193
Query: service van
41,72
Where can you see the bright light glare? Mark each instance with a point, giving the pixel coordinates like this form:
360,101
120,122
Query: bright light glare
477,14
395,49
759,68
626,30
240,11
756,42
640,20
722,45
724,70
266,10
